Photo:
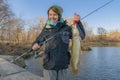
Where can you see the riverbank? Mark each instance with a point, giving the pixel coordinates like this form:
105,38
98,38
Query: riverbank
20,62
102,44
9,71
16,50
10,52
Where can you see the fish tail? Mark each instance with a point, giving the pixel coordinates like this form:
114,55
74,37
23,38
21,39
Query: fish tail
81,52
75,72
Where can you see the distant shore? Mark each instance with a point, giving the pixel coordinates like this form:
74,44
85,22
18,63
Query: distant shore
102,43
7,50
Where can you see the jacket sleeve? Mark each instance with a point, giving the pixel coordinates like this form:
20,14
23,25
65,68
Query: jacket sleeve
81,30
40,39
70,30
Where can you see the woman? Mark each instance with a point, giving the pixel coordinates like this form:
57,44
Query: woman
56,35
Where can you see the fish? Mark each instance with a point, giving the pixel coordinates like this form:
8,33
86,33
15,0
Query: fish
75,49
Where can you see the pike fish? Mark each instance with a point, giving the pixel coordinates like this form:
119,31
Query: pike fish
75,49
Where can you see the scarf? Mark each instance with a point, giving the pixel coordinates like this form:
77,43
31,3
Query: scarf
50,24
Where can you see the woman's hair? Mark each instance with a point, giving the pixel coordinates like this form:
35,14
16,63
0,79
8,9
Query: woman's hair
56,9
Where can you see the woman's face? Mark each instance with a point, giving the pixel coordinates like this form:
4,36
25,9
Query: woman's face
53,17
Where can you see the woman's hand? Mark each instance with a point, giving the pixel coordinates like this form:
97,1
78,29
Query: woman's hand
35,46
76,18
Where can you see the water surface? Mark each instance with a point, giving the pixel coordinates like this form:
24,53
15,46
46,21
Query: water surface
102,63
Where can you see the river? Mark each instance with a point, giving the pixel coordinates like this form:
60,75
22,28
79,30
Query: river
101,63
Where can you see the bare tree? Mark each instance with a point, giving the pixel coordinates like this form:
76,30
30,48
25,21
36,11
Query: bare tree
35,28
102,33
89,34
18,28
5,12
114,35
5,15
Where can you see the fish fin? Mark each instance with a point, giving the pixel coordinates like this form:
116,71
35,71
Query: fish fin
70,45
71,63
78,62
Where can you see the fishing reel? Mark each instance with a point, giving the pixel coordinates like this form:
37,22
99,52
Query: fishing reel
37,54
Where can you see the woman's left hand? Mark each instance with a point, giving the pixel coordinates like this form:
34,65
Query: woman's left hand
76,18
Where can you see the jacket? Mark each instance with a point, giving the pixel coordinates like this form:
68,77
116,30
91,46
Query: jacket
57,55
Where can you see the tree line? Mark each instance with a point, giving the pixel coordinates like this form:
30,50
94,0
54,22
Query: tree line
16,30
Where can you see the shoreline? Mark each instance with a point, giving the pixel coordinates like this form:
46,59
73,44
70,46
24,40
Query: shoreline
10,52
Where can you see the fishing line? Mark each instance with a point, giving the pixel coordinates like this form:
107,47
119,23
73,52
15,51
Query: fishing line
97,9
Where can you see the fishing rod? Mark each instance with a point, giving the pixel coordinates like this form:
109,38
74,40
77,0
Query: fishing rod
30,50
97,9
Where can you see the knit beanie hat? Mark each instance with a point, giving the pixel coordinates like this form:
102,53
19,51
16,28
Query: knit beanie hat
58,9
